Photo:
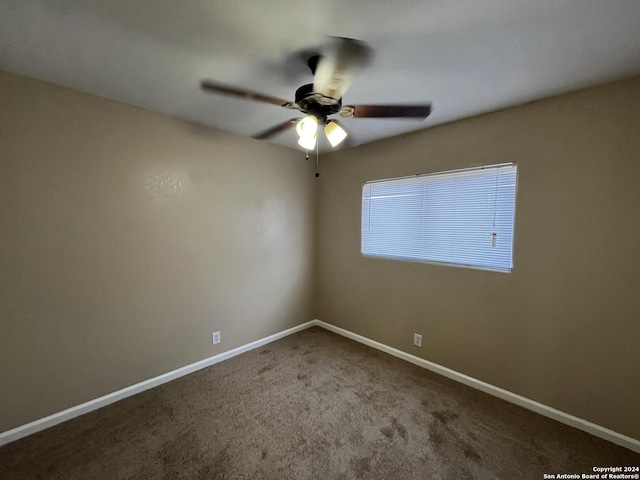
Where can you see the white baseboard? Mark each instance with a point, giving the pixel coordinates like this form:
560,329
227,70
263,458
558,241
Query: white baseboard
562,417
51,420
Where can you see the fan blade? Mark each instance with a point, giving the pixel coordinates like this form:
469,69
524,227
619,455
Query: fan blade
215,87
386,111
277,129
336,65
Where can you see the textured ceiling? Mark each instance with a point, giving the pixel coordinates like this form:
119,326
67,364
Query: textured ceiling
465,56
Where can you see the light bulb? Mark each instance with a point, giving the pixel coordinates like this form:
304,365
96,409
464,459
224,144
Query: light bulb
335,133
307,127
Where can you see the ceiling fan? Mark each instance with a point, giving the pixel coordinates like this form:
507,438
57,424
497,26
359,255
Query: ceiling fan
332,70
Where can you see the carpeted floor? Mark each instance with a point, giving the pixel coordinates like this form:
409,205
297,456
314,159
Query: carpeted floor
313,405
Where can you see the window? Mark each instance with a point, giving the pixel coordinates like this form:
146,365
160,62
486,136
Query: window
459,217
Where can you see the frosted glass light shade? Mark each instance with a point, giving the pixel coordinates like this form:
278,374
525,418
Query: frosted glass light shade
335,133
308,142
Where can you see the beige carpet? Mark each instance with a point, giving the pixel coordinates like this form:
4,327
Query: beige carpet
310,406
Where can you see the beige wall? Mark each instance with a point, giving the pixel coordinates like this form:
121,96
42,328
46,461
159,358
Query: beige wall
564,327
128,237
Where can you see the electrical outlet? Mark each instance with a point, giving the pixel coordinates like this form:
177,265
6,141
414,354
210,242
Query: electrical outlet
215,338
417,340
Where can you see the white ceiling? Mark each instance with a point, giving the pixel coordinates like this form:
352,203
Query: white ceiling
465,56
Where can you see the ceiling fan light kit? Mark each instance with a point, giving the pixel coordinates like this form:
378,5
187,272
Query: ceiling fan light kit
332,72
307,130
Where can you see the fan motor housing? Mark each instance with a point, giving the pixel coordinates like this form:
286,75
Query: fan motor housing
315,103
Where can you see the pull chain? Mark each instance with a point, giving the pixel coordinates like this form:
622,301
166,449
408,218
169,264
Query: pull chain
317,161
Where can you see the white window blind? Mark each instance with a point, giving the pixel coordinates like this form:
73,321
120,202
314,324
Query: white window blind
461,217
